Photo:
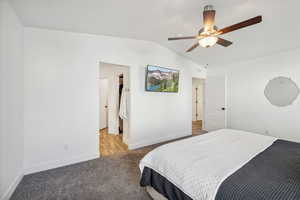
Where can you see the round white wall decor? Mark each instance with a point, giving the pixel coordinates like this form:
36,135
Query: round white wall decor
281,91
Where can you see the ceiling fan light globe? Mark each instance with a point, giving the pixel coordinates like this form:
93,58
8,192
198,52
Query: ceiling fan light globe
208,41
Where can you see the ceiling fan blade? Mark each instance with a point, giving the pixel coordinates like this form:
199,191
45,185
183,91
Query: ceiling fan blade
193,47
223,42
183,38
209,19
240,25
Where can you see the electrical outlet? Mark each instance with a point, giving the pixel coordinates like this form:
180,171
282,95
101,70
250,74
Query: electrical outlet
267,132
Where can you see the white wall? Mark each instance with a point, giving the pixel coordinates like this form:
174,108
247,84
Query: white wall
11,100
61,95
199,84
248,107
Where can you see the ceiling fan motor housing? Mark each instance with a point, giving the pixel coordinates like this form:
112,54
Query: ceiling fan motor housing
202,30
208,8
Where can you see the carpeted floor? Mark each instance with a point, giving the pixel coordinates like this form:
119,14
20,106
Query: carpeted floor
107,178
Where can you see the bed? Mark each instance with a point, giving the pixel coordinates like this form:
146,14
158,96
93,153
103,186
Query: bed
223,165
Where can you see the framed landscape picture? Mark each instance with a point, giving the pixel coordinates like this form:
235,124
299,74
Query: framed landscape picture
160,79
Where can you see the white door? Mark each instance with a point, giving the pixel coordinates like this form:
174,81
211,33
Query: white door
113,104
215,103
103,87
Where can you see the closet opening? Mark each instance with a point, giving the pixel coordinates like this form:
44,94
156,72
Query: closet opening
114,97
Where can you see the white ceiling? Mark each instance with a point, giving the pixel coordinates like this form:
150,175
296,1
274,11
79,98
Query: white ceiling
156,20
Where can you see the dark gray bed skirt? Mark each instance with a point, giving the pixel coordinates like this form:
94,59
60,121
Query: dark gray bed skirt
162,185
273,174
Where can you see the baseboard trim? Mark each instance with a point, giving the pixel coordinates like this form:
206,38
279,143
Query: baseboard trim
12,187
169,137
59,163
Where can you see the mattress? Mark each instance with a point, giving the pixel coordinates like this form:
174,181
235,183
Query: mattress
194,168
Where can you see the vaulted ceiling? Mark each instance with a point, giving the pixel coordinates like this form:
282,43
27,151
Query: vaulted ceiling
156,20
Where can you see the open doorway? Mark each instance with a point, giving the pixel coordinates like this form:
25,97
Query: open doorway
114,109
197,105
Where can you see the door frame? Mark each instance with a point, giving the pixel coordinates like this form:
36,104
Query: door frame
126,139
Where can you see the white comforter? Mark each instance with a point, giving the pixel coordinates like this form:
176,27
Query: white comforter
198,165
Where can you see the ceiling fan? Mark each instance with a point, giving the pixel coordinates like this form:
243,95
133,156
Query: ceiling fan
208,36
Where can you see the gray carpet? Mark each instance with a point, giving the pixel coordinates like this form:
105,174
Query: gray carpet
108,178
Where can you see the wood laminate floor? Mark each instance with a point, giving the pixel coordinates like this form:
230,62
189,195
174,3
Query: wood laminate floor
111,144
197,127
